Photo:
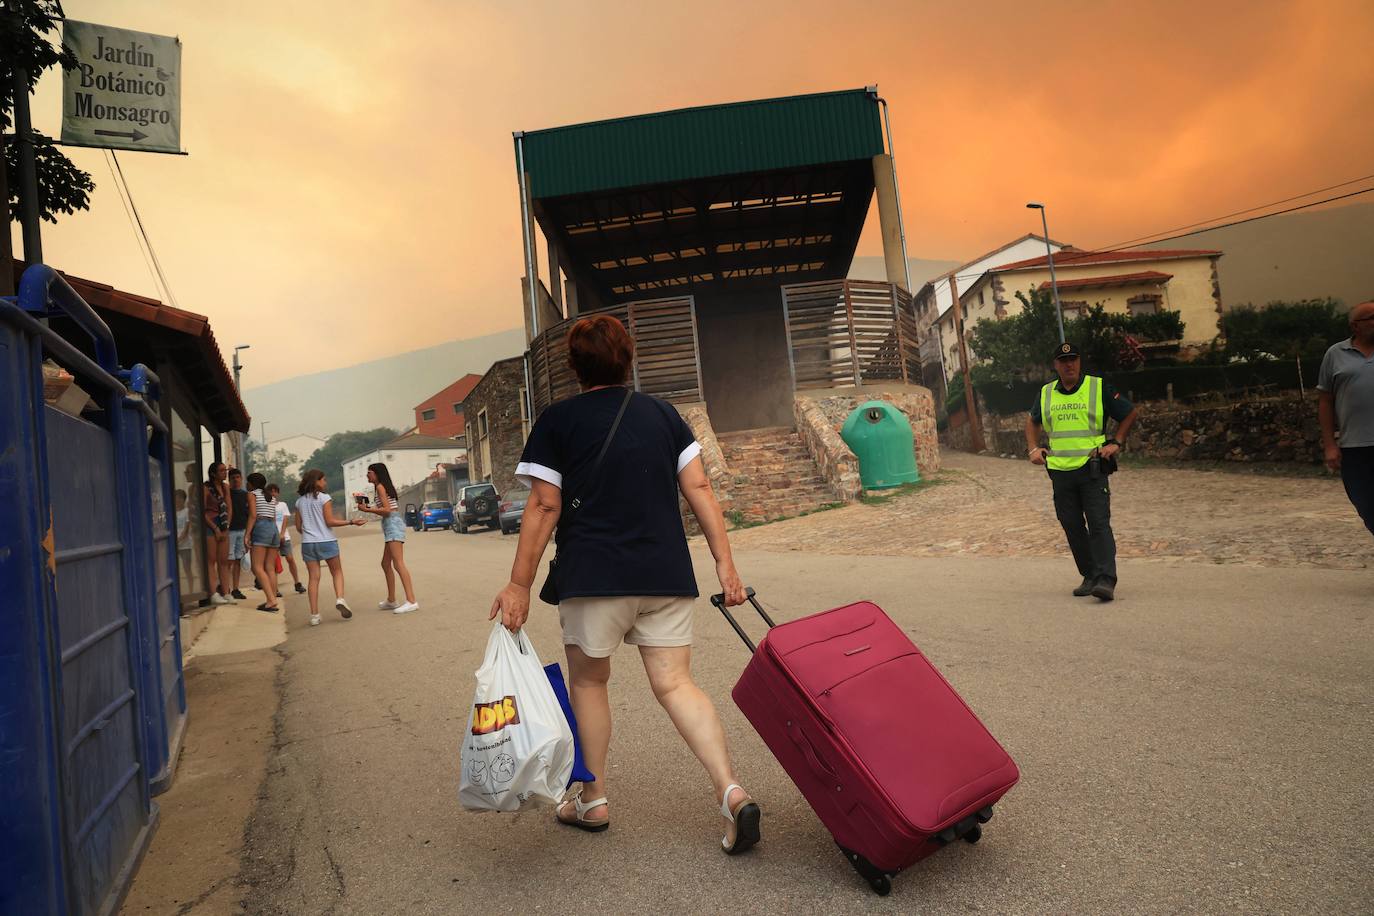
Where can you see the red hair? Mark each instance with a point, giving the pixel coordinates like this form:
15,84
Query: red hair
600,351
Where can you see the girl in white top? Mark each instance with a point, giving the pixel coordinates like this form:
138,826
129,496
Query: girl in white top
283,519
315,521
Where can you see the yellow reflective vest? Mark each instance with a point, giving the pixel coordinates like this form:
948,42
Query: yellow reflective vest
1076,423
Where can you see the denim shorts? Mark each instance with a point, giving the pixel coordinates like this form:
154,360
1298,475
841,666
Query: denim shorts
236,545
319,551
394,528
265,533
285,547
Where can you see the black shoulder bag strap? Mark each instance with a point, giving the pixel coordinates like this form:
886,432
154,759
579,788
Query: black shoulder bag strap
549,593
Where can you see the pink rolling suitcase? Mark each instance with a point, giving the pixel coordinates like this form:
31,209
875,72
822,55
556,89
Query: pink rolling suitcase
890,758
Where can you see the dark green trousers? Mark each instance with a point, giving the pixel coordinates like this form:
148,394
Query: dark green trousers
1084,508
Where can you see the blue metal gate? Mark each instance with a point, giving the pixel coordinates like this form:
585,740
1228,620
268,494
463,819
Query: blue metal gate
91,699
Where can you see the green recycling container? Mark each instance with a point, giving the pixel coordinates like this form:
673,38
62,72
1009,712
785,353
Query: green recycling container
881,438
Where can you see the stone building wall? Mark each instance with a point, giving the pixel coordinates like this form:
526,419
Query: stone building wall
498,393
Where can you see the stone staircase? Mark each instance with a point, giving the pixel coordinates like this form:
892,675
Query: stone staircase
772,475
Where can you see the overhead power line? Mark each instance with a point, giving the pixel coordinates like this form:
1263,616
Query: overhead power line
157,265
1068,256
1247,210
133,227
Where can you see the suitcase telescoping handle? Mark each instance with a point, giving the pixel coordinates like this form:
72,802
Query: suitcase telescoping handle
719,601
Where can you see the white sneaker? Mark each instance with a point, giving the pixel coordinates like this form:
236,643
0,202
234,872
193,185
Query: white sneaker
406,608
314,620
387,605
217,599
343,607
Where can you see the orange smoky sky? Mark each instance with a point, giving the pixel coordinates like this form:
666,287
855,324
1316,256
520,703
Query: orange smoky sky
350,191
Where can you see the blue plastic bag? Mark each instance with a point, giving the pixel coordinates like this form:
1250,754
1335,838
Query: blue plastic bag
580,773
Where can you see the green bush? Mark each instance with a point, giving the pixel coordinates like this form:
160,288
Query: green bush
1287,330
1018,347
1190,380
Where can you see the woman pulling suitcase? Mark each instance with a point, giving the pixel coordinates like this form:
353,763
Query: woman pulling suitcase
605,468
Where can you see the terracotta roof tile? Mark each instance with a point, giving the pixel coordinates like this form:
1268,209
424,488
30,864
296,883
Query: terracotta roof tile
142,308
1070,257
1145,276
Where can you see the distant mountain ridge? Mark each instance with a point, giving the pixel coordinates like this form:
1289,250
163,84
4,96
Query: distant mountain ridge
382,392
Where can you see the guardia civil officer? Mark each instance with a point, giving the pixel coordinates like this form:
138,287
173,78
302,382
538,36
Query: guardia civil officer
1073,411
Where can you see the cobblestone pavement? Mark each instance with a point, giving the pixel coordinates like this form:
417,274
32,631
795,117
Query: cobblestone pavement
996,507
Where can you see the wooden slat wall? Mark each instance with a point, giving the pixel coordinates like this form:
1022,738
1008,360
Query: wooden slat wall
667,362
846,332
818,334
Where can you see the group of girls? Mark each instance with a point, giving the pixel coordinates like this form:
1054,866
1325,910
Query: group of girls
269,538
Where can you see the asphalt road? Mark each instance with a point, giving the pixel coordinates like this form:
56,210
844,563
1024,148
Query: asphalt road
1200,745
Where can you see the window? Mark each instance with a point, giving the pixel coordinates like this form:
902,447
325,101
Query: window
467,438
483,444
1147,304
1073,308
458,407
524,415
433,459
980,297
427,414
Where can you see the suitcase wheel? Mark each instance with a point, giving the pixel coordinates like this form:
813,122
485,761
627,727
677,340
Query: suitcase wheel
877,879
974,835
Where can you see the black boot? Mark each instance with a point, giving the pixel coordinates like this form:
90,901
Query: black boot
1104,590
1086,588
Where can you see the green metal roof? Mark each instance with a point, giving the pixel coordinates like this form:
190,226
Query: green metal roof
694,143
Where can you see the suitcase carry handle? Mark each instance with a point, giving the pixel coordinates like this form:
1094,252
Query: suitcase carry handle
719,601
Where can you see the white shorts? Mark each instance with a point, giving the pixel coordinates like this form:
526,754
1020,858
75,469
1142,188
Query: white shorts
597,626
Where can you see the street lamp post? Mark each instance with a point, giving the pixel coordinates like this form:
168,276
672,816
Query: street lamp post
235,437
1049,253
264,439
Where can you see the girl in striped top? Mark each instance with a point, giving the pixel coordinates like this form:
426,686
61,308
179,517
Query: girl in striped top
264,536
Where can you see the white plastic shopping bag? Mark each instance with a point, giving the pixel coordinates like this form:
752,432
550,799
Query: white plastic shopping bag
517,747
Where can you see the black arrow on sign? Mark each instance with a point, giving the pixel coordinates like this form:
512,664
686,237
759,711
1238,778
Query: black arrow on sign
135,135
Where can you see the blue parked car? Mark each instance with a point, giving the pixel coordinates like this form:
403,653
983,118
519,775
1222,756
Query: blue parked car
436,514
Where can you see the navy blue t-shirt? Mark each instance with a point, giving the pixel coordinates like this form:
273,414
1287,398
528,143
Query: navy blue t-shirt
626,538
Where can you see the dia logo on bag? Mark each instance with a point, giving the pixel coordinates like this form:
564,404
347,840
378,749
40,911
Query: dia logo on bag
488,718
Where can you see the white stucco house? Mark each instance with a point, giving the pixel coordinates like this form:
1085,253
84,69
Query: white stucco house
410,459
302,446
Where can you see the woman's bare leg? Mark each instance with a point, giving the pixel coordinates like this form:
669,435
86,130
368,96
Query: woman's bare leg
312,569
693,714
396,551
259,555
389,573
212,564
336,572
588,678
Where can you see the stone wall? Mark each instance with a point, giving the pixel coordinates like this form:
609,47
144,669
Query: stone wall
712,459
837,463
498,393
819,411
1281,429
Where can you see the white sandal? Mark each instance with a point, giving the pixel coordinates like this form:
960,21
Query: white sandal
580,820
745,815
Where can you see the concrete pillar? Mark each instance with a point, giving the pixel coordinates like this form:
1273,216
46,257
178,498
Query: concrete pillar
572,305
886,181
555,278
